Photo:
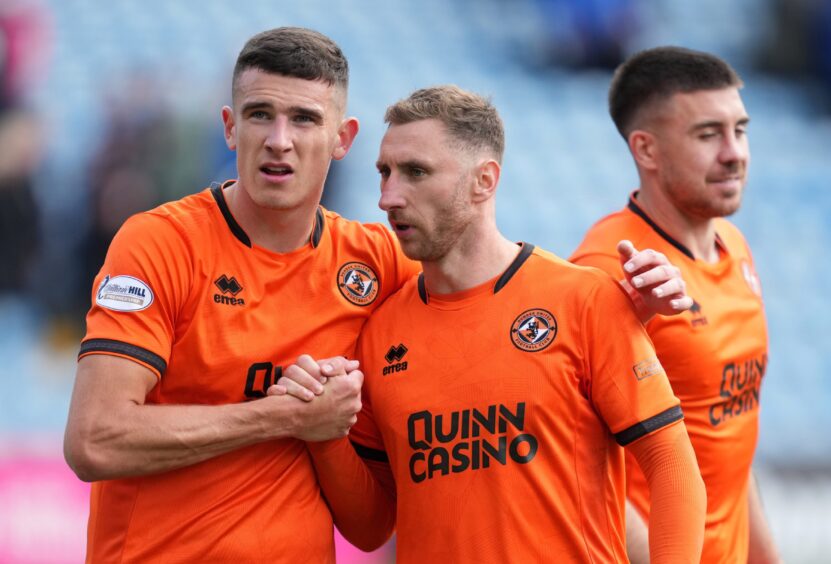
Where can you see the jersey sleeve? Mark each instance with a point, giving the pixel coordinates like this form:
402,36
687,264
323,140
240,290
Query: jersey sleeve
628,385
609,263
365,435
138,292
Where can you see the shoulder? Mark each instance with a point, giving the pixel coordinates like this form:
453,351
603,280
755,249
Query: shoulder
603,236
566,278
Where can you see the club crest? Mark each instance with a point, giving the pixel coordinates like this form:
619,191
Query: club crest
358,283
533,330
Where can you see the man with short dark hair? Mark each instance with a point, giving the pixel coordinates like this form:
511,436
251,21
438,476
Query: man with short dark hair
201,305
683,119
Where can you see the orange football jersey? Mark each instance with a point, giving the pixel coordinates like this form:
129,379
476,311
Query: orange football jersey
185,293
501,410
715,355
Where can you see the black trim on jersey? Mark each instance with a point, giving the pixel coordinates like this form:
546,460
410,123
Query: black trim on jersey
642,214
654,423
524,253
370,453
317,232
111,346
422,288
216,192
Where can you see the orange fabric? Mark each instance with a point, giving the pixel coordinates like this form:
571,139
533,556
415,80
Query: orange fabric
715,356
363,509
220,318
499,412
677,492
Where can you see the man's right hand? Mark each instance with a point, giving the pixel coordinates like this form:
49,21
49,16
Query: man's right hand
335,386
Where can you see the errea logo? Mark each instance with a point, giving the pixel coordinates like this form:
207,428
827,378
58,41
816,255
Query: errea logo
393,355
229,288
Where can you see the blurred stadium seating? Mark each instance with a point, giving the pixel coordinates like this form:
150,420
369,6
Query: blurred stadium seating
565,166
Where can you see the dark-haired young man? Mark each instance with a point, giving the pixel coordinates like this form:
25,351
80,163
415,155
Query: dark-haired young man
683,119
201,305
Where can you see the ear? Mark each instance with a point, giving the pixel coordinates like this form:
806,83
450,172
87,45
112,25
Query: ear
644,148
347,132
230,127
487,178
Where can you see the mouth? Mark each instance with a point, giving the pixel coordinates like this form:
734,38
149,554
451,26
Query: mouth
400,228
276,170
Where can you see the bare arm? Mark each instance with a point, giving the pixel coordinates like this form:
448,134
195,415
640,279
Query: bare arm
762,546
112,433
677,495
637,536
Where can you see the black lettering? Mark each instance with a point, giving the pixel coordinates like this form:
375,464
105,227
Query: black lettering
438,461
481,420
460,457
443,437
528,439
417,476
216,298
427,429
500,453
466,424
726,374
252,390
517,420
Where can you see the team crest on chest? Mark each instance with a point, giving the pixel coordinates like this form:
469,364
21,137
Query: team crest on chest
533,330
358,283
751,278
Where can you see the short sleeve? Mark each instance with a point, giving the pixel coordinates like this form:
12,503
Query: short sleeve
609,264
138,292
629,387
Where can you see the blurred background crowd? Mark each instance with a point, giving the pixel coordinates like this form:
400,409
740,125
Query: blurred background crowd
108,109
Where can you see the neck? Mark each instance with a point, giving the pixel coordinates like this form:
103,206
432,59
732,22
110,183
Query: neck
696,234
277,230
475,259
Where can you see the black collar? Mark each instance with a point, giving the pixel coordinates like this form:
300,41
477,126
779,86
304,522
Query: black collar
524,253
239,232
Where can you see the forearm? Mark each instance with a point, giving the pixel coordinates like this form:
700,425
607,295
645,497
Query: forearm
677,496
637,536
363,507
762,548
136,439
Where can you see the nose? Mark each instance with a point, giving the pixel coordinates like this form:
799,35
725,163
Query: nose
391,194
279,136
734,149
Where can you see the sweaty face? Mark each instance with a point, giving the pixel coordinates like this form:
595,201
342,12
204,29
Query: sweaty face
703,152
285,132
425,188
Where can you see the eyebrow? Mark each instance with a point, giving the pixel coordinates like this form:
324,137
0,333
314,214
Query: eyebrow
263,105
715,123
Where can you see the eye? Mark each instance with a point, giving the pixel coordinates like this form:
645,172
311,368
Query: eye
417,172
384,171
259,114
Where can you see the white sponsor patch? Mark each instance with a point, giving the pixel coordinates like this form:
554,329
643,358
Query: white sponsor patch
124,293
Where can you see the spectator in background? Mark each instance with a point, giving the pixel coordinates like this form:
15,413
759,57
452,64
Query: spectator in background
586,33
24,48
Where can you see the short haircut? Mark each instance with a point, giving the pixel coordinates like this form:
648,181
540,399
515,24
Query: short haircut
296,52
470,119
654,75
